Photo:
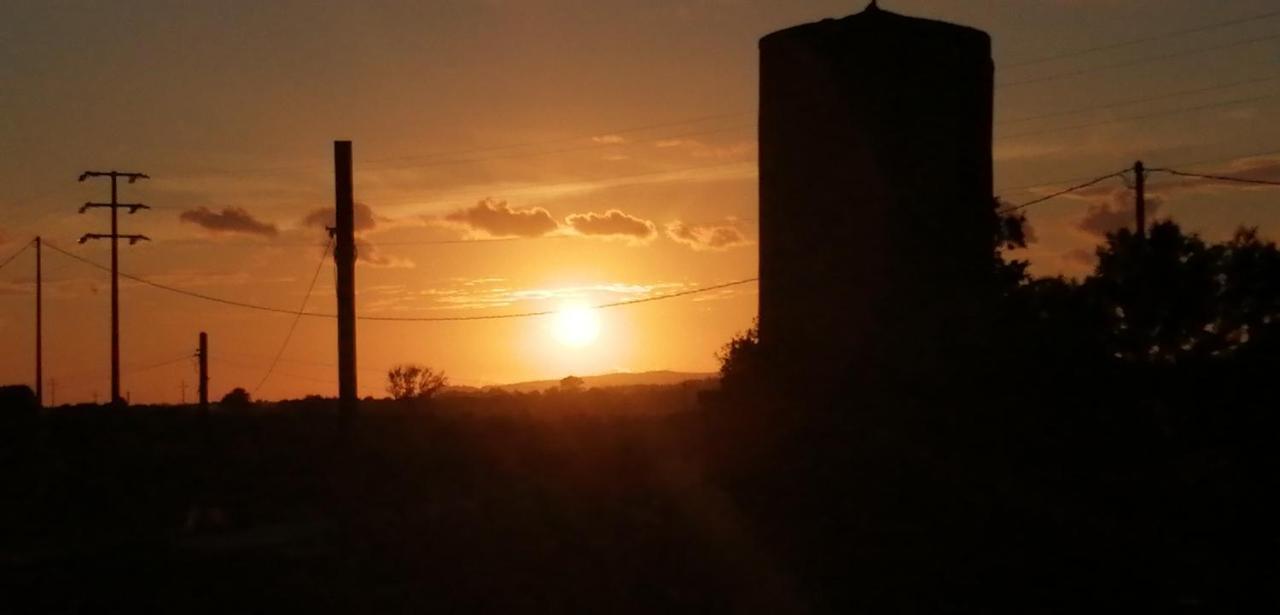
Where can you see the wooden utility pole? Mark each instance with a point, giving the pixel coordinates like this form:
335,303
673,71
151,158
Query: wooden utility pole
39,329
1140,199
344,256
115,238
202,354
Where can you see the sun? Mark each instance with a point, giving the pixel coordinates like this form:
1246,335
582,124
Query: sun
576,326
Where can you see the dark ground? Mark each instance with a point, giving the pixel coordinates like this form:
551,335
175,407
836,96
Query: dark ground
621,502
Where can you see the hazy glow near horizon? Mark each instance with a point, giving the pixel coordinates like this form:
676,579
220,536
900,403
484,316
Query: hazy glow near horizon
576,326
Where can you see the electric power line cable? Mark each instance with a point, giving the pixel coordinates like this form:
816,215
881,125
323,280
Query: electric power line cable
1059,193
1145,116
6,261
294,325
1137,61
1232,158
1145,39
135,370
1224,178
673,295
264,308
1134,101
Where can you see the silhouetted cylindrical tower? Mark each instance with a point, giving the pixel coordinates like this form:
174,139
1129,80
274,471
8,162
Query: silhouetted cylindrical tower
875,189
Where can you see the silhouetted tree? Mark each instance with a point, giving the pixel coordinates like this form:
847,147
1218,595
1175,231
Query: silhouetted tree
236,398
15,396
571,383
741,362
1172,296
412,381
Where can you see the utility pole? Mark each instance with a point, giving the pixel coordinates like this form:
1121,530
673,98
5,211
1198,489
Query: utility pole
39,329
344,256
202,355
115,238
1140,199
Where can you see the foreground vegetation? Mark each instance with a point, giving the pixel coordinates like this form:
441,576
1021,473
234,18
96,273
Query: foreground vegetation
1105,445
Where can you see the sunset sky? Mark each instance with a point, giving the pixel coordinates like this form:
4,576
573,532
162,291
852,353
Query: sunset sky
594,152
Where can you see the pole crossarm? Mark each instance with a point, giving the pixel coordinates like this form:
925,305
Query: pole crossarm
132,207
132,177
133,239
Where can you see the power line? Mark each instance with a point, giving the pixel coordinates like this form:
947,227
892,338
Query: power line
15,255
1185,163
1225,178
1045,184
1130,118
294,325
1137,61
1146,39
134,370
178,290
1134,101
661,297
1059,193
264,308
1227,159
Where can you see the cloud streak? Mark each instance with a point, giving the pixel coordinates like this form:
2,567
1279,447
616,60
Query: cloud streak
364,218
233,220
612,223
497,219
706,237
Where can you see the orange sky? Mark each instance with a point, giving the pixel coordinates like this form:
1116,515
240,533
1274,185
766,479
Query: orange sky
530,121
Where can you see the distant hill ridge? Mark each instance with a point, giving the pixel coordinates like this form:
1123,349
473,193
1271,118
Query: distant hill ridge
617,379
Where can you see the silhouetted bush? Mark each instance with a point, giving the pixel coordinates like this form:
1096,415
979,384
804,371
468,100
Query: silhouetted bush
235,399
412,381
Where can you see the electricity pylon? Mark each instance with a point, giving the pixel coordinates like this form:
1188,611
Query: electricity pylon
115,238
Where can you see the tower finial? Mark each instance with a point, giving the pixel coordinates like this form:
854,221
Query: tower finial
873,6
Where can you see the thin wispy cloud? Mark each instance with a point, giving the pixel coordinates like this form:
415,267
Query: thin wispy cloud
477,294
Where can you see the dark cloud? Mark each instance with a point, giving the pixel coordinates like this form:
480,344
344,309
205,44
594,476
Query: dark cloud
498,219
1116,212
706,237
365,220
369,254
612,223
229,220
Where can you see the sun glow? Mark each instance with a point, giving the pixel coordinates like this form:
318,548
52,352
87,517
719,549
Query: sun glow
576,326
